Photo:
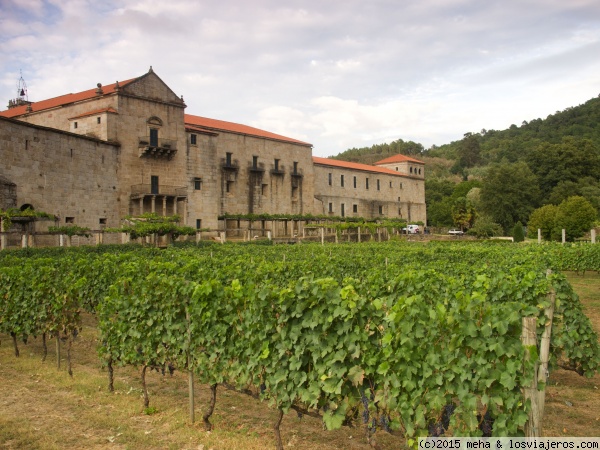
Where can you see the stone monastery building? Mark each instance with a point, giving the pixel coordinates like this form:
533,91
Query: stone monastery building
96,156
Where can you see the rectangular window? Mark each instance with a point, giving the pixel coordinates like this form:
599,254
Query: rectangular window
197,183
330,179
228,156
276,164
229,186
154,137
263,189
198,224
69,219
380,209
343,209
193,138
354,182
98,120
400,185
342,180
355,209
330,207
390,184
378,185
102,222
295,167
154,184
255,162
74,124
366,183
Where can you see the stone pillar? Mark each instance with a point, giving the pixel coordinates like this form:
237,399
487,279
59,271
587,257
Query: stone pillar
141,206
153,203
68,241
223,236
358,234
539,236
269,235
164,206
124,238
24,240
61,240
322,235
98,237
593,235
564,235
198,236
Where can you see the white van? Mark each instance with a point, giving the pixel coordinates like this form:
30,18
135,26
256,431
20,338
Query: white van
411,229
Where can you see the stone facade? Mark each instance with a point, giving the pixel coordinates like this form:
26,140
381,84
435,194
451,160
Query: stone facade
359,190
127,148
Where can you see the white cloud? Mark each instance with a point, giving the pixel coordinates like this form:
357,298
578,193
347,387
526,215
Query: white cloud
334,76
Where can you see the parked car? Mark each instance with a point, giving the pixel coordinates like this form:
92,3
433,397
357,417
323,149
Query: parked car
411,229
456,232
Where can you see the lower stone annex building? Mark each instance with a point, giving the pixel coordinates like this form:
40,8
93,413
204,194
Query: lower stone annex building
94,157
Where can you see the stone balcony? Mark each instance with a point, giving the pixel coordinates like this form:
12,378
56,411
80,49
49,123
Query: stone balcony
157,148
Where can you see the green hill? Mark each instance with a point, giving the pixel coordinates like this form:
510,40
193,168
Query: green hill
556,158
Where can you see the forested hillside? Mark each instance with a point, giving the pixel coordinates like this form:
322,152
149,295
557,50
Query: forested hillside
493,179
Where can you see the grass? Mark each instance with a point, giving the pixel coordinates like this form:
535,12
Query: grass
41,407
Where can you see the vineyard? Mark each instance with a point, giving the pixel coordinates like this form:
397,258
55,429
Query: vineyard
410,339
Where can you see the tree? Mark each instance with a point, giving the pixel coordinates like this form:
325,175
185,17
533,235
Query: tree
576,216
469,152
463,213
485,227
518,234
544,219
439,203
568,161
509,193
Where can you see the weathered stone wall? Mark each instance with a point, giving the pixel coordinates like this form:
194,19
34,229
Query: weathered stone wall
395,196
61,173
245,189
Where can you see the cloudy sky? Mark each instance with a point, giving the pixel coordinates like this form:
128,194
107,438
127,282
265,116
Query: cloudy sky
335,73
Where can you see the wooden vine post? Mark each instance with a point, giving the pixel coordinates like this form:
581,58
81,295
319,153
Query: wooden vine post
545,351
190,368
529,341
537,397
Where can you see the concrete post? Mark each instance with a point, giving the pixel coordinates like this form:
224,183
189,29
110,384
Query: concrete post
593,235
24,241
198,236
322,235
539,236
61,240
269,235
358,234
98,237
564,235
3,241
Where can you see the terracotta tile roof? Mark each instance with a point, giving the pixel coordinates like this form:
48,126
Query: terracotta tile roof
356,166
97,111
198,129
398,158
221,125
63,100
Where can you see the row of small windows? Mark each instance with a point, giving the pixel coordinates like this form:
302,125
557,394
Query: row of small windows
354,209
355,183
414,171
98,121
